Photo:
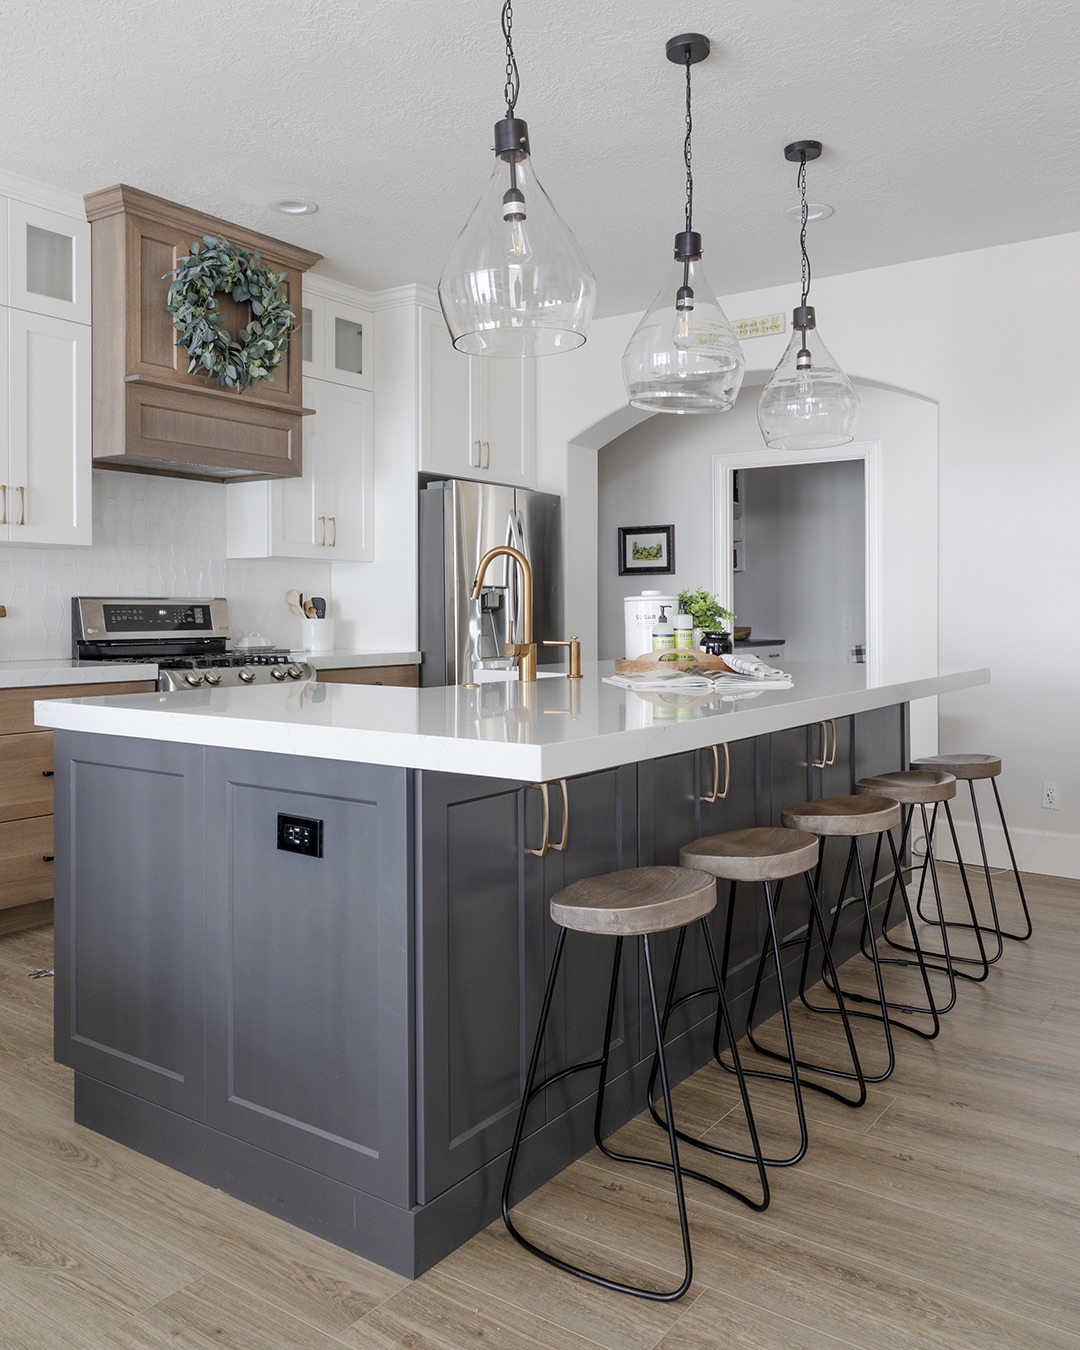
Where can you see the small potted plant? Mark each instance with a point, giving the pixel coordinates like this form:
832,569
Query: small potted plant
711,620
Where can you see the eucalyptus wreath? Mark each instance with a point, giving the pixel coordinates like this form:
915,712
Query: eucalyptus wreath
214,267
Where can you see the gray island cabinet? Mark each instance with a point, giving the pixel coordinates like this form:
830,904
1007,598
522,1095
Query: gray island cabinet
338,1034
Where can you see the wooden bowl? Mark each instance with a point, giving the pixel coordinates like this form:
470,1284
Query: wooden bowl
741,634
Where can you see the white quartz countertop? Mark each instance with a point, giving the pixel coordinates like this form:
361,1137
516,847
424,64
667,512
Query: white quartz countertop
58,670
532,732
61,670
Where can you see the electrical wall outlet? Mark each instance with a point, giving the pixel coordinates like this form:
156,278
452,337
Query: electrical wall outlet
1051,797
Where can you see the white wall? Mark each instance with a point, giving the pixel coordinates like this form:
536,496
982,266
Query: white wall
990,337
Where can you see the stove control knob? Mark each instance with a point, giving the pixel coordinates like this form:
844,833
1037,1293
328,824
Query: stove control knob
193,678
247,675
212,677
276,673
294,672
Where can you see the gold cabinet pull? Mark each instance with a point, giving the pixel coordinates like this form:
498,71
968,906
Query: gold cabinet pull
820,763
322,531
560,847
3,504
22,506
487,454
545,818
832,757
333,522
475,463
716,795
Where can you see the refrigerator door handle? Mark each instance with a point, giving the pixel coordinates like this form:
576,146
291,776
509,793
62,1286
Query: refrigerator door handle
513,581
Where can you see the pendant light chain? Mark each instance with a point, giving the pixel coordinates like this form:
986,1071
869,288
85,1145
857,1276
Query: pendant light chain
687,152
512,80
802,231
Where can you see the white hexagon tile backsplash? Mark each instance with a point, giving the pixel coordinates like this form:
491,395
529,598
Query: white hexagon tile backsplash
152,536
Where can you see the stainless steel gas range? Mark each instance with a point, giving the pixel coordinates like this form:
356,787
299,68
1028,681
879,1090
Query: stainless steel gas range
187,639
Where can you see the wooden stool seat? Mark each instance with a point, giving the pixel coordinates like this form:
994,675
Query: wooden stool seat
912,787
844,816
962,766
637,900
759,854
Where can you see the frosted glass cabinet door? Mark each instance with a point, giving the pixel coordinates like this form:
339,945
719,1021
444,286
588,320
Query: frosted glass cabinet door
48,492
48,262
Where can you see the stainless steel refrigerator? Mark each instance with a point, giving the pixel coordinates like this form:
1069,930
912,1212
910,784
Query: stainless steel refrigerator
459,522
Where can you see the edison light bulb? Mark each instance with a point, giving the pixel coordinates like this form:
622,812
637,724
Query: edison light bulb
808,402
517,248
683,332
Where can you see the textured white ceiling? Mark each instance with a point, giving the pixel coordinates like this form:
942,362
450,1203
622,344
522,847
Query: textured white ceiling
947,124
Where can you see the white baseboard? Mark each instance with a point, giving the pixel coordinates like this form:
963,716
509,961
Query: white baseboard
1049,853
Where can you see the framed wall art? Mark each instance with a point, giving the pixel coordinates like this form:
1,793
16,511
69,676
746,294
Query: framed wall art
646,550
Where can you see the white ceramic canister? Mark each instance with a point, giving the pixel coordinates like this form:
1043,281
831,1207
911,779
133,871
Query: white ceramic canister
642,612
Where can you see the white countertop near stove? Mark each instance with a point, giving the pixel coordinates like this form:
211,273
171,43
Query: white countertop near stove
57,670
532,732
354,660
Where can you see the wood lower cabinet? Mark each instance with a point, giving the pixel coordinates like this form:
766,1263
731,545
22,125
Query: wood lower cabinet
26,802
406,676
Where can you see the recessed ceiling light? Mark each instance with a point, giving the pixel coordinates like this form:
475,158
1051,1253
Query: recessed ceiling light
294,206
814,211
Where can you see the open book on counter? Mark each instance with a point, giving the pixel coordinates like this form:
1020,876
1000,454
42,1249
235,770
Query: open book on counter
732,672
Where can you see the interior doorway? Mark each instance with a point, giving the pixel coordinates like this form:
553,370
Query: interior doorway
797,550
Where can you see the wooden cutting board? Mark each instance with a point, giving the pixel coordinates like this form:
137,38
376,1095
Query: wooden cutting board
694,662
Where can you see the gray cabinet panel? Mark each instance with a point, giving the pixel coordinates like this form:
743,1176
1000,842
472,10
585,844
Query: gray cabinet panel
129,936
309,1030
480,920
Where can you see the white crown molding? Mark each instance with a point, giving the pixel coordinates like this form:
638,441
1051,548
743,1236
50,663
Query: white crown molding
41,194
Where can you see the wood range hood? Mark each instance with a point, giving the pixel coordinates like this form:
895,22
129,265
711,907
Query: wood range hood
150,415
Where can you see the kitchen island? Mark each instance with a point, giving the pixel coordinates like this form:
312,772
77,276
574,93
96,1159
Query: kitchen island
302,932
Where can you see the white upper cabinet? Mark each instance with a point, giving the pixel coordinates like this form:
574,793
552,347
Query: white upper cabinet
48,262
326,514
45,477
477,414
337,336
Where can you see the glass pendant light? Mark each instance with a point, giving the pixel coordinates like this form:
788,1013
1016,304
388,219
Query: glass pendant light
516,282
808,403
684,356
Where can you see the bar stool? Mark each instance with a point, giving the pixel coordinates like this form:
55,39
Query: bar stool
766,855
922,788
853,818
969,768
636,902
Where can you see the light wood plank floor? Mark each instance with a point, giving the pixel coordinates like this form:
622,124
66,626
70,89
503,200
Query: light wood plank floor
945,1214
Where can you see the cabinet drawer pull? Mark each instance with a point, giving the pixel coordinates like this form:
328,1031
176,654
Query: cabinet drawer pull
560,847
3,503
716,795
820,763
475,462
48,773
545,819
487,455
47,857
22,505
832,757
333,541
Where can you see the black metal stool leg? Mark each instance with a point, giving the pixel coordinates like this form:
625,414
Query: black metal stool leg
723,1021
1017,937
532,1090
